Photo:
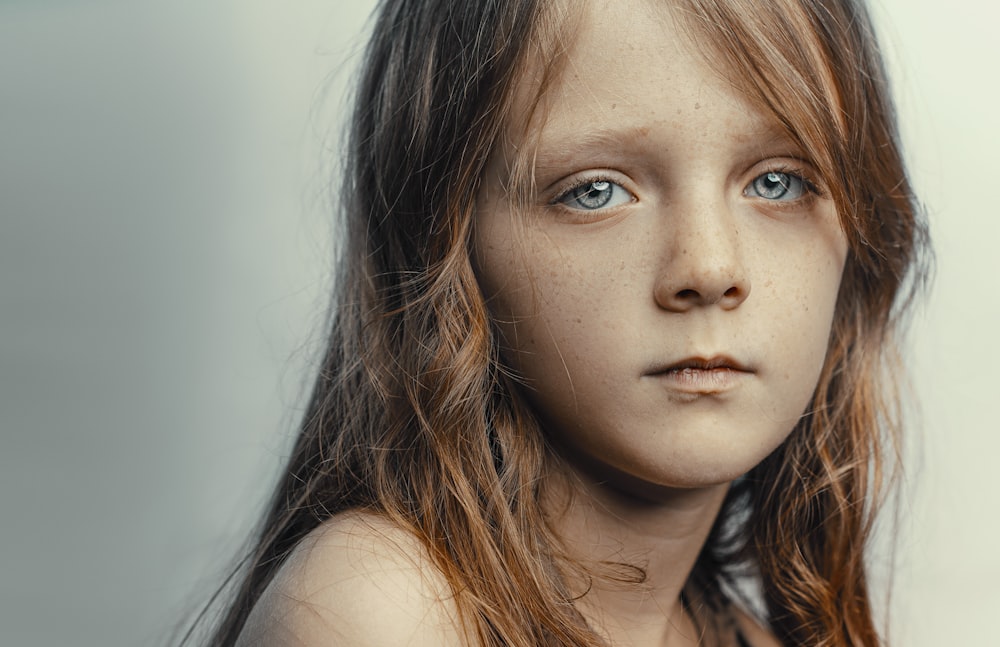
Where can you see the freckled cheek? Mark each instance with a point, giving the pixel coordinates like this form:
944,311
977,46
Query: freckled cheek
799,285
545,299
550,315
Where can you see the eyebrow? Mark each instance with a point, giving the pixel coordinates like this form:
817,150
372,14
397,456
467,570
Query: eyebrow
565,146
606,135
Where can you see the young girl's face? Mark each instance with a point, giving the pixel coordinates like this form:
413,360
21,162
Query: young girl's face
667,293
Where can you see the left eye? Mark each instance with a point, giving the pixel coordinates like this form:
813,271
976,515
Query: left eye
597,194
777,185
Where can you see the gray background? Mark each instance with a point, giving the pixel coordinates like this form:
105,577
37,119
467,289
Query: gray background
163,266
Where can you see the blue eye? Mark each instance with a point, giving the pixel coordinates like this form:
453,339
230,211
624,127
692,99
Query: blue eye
777,185
596,194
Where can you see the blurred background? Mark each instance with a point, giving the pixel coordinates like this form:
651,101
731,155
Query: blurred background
164,264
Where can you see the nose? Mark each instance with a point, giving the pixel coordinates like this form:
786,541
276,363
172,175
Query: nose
703,264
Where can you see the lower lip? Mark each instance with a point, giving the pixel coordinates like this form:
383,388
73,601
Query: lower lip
702,381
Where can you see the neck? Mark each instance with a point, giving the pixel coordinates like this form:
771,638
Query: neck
612,532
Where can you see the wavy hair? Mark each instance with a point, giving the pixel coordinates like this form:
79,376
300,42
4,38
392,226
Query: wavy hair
815,65
413,416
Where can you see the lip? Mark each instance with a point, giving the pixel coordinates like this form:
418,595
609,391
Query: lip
699,375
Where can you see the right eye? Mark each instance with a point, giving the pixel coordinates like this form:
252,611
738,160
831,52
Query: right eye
595,194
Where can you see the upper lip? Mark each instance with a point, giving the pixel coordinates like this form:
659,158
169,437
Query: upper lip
702,362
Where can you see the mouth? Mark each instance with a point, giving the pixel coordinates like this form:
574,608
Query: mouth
718,362
702,375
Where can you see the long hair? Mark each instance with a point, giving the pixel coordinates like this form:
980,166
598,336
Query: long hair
812,504
413,416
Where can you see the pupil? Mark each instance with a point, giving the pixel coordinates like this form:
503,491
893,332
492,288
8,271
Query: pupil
774,185
594,195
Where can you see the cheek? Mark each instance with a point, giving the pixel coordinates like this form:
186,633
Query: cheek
535,306
797,268
558,312
508,283
805,294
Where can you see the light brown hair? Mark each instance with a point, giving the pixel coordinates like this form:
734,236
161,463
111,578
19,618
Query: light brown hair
413,415
812,504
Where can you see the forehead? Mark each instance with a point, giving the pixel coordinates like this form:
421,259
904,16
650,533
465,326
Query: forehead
624,67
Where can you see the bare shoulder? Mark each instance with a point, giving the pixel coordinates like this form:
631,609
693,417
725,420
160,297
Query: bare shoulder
357,580
755,634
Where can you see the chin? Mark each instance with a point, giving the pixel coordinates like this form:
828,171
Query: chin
652,481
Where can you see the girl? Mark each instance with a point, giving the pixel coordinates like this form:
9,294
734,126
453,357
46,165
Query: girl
613,344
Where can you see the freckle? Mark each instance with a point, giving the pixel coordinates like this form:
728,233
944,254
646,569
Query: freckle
697,106
579,320
614,105
622,266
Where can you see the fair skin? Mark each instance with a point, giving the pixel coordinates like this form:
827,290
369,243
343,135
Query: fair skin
666,296
356,581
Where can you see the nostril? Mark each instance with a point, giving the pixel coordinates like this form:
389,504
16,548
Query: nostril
688,294
728,295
